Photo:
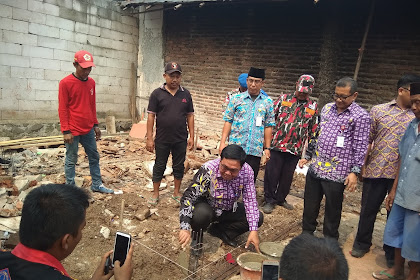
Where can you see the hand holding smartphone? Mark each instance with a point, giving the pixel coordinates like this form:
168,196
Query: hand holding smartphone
121,247
270,270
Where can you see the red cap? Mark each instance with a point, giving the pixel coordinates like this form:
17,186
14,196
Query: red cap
84,58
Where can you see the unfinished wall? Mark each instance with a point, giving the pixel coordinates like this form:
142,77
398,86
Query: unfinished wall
217,42
38,40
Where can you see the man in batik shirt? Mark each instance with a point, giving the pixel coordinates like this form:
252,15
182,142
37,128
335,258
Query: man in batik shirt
389,122
296,119
213,197
249,120
337,156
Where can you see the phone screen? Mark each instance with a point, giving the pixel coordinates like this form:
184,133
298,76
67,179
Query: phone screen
122,245
270,272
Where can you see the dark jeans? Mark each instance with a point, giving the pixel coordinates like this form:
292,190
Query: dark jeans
374,192
315,189
178,151
232,223
254,162
278,176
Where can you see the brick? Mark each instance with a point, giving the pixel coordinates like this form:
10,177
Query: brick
80,7
14,60
63,55
55,75
46,95
19,38
44,8
5,11
43,84
19,72
61,3
110,34
10,48
27,105
25,15
81,38
5,71
44,63
67,35
14,25
81,28
67,66
14,3
38,52
105,23
72,15
43,30
52,43
61,23
93,10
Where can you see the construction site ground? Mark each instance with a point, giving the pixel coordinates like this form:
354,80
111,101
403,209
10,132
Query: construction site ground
125,166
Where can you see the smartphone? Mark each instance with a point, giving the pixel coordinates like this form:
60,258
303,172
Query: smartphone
270,270
121,247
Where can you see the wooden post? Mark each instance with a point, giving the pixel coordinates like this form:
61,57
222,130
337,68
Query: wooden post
196,140
110,125
121,214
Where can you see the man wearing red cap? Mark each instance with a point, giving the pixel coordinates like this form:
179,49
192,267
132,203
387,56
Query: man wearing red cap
77,113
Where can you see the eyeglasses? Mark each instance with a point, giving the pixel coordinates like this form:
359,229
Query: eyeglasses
406,89
224,168
257,82
342,97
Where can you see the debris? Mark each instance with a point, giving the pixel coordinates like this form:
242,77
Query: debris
142,214
105,232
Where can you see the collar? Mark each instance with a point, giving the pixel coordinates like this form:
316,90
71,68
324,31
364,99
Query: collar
247,95
301,101
163,87
350,108
36,256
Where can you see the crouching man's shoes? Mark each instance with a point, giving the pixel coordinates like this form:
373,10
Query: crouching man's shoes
213,230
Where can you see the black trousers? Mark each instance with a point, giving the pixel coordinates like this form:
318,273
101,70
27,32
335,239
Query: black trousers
232,223
374,192
315,189
254,162
162,150
278,176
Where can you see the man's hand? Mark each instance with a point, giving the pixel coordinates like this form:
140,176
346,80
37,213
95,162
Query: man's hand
150,145
389,200
302,162
99,272
351,182
97,133
190,143
253,239
267,153
184,237
68,138
126,271
221,147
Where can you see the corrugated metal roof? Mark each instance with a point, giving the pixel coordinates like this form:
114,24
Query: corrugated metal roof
151,2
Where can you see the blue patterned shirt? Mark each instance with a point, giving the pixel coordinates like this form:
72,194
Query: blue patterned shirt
244,113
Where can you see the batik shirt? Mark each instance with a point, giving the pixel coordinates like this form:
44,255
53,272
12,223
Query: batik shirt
222,195
341,143
248,119
295,121
389,123
228,97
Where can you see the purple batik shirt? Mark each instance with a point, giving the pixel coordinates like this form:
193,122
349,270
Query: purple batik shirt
221,194
341,145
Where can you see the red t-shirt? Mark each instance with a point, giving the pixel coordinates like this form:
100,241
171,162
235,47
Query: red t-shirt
77,105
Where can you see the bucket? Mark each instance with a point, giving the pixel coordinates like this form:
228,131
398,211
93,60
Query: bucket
250,265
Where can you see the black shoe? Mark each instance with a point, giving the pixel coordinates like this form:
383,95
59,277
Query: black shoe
286,205
213,230
358,253
268,208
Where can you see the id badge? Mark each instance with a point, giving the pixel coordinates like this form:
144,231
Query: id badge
259,121
340,141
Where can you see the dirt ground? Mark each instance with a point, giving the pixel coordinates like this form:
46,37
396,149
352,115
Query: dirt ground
157,252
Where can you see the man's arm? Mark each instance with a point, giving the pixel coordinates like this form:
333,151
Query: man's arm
251,211
64,113
268,131
225,133
150,145
389,200
190,123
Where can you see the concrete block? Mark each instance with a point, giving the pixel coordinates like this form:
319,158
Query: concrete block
47,115
92,9
40,52
43,30
110,34
67,66
80,7
10,48
31,178
22,184
67,35
129,20
14,3
44,8
26,105
52,43
5,71
14,114
105,23
81,38
74,47
94,30
81,28
13,83
79,181
25,15
8,104
27,94
63,55
61,23
61,3
19,38
46,95
43,63
14,25
104,13
19,72
43,84
72,15
54,74
6,11
92,20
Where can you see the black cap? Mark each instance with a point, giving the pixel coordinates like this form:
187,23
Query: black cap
256,73
172,67
414,88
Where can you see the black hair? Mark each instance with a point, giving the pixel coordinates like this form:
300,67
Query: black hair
51,211
407,79
307,257
347,82
234,151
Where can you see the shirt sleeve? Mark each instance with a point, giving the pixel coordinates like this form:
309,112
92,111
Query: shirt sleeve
63,107
313,137
153,103
373,125
95,118
269,117
250,201
230,110
199,187
360,141
190,105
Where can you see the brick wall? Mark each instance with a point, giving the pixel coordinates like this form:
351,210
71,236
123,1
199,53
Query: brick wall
216,43
38,40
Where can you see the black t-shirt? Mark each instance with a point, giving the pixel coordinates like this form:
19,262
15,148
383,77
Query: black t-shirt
171,114
14,268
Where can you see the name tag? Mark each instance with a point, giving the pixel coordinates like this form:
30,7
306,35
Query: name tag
340,141
310,111
259,121
286,103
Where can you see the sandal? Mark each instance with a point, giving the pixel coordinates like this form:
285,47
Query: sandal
176,198
153,201
383,275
